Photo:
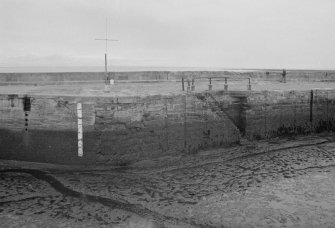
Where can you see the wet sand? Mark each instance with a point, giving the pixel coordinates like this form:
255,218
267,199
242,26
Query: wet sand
277,183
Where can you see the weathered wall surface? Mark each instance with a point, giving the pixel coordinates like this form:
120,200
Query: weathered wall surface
46,131
278,113
51,78
116,130
121,130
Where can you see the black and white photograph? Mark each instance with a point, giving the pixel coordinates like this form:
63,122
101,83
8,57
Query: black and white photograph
167,113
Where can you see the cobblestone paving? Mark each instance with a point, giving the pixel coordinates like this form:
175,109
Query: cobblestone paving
186,195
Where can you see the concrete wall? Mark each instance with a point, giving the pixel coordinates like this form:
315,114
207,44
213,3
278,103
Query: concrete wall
51,78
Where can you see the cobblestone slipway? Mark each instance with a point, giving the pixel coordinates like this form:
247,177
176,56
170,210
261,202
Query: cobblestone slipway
277,183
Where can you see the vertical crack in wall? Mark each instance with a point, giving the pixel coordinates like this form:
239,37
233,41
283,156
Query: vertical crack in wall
166,125
295,118
327,105
265,116
185,127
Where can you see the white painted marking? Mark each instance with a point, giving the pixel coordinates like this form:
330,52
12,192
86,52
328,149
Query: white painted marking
80,129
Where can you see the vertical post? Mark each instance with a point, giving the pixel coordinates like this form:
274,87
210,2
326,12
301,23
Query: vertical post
249,85
311,107
106,69
106,64
107,83
80,129
182,84
188,85
210,84
225,84
193,86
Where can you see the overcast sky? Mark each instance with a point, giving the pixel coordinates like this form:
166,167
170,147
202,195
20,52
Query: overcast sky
181,33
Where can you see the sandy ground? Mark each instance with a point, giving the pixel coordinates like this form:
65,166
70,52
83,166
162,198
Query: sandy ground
157,88
277,183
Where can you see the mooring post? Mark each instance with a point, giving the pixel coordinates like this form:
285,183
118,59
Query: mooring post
210,84
193,86
249,85
182,84
225,84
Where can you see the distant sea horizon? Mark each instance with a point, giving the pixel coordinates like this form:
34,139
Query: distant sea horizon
54,69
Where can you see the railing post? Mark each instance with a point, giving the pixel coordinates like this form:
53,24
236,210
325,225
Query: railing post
193,86
182,84
210,84
188,85
249,85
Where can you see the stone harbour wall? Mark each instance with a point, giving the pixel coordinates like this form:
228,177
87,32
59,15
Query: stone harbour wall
283,113
82,77
122,130
115,130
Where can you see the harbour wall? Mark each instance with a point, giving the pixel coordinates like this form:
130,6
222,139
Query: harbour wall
115,130
84,77
122,130
287,113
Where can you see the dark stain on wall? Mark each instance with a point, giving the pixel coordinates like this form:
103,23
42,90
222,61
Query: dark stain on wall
325,125
43,146
290,113
235,112
12,97
26,104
